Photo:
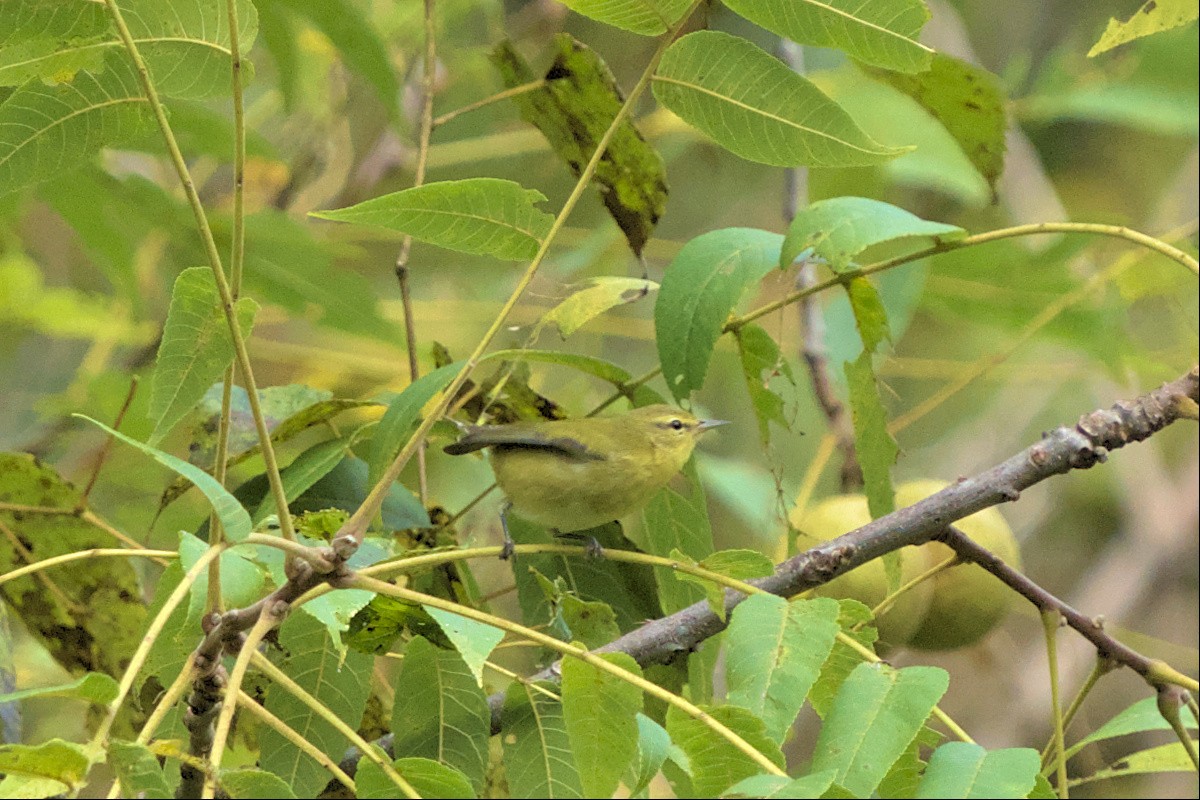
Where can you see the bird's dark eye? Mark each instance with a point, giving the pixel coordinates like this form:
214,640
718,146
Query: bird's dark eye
677,424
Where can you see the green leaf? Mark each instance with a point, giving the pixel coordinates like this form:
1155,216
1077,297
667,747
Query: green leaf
47,130
739,564
876,713
402,415
883,32
647,17
538,760
1171,757
757,108
474,640
775,786
653,744
876,448
574,110
360,45
254,784
311,660
774,653
959,769
715,763
138,770
700,288
33,34
105,637
1141,716
591,622
761,361
50,768
1154,16
196,347
840,228
596,297
968,101
234,518
600,712
429,778
305,470
843,660
677,519
483,216
440,712
597,367
870,317
94,687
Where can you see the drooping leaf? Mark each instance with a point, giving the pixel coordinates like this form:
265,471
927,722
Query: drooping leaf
647,17
440,712
310,659
196,347
840,228
402,415
596,297
715,763
93,623
653,744
600,712
573,111
700,288
874,445
870,317
1173,757
429,778
483,216
813,785
1142,715
234,518
761,361
876,713
774,653
883,33
960,769
968,101
94,687
43,770
538,760
756,107
1153,16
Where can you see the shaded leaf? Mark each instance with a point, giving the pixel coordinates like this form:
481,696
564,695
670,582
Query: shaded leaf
677,519
870,317
700,288
403,414
574,110
761,361
883,32
769,786
843,659
254,784
968,101
738,564
484,216
138,770
429,778
840,228
874,445
195,349
591,622
50,768
305,470
756,107
653,744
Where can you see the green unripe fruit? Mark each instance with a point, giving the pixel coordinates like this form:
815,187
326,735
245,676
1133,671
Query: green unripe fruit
967,601
867,584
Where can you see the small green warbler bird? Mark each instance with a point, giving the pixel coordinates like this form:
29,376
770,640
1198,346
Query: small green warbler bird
574,474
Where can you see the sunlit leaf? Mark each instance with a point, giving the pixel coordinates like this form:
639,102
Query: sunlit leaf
485,216
429,778
716,764
960,769
254,784
647,17
736,564
474,640
1154,16
94,687
756,107
600,711
595,298
50,768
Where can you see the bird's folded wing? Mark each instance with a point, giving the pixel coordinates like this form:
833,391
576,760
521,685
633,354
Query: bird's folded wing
497,436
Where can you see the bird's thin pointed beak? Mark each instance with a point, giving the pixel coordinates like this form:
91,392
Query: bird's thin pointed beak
705,424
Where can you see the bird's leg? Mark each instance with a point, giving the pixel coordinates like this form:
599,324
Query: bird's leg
590,543
508,548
